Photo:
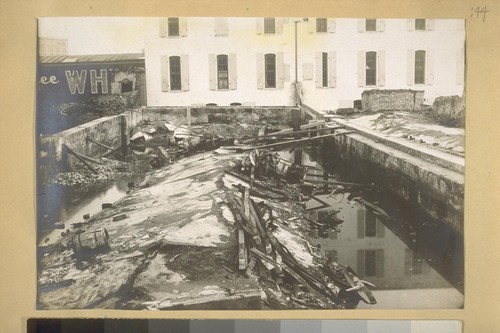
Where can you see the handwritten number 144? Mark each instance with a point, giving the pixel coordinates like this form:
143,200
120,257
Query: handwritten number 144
479,12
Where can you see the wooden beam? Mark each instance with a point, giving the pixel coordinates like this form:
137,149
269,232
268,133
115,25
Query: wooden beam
278,144
81,159
289,132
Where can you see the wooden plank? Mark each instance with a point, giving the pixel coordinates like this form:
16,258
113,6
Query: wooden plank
81,159
278,144
331,182
288,132
242,251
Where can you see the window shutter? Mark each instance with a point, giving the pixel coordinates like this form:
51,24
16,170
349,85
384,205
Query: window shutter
233,74
332,25
185,72
411,24
460,66
380,25
380,263
311,25
212,72
182,26
429,24
332,69
307,72
361,223
220,26
380,229
319,70
279,71
165,79
260,71
429,67
259,21
361,263
381,68
361,25
361,69
410,68
279,21
286,73
163,27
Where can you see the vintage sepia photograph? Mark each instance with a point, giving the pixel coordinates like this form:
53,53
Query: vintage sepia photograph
250,163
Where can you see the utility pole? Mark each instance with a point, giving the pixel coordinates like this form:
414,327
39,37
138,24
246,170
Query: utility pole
296,61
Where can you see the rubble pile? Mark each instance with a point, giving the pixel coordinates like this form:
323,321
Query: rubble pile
81,176
272,231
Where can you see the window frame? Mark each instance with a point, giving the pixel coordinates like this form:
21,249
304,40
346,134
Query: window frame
267,26
270,71
370,224
419,76
322,23
222,82
324,69
372,24
420,25
173,26
371,73
175,85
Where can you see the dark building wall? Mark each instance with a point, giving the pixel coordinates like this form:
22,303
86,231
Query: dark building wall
76,82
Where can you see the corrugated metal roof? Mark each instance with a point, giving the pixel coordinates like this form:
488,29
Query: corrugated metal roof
91,58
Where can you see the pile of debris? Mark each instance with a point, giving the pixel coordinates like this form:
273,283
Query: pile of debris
104,170
268,213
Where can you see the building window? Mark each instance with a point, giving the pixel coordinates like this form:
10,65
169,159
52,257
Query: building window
370,263
126,86
370,25
222,72
269,25
420,67
325,69
370,224
321,25
270,70
173,26
371,68
175,73
420,24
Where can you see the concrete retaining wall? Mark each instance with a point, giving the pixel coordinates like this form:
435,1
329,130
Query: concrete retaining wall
108,131
221,114
436,190
392,100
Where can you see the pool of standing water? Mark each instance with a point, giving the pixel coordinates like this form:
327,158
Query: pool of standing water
414,261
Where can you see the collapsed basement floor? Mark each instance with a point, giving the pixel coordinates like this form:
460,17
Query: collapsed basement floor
174,241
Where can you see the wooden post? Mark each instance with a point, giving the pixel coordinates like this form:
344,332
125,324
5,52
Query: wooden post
124,135
296,121
188,117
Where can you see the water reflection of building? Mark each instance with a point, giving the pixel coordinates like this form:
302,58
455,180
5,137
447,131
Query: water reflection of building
375,253
363,241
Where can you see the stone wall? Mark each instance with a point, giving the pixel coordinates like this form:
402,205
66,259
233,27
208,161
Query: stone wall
449,110
436,190
376,100
221,114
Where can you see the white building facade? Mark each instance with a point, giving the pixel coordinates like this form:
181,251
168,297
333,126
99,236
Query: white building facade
256,61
